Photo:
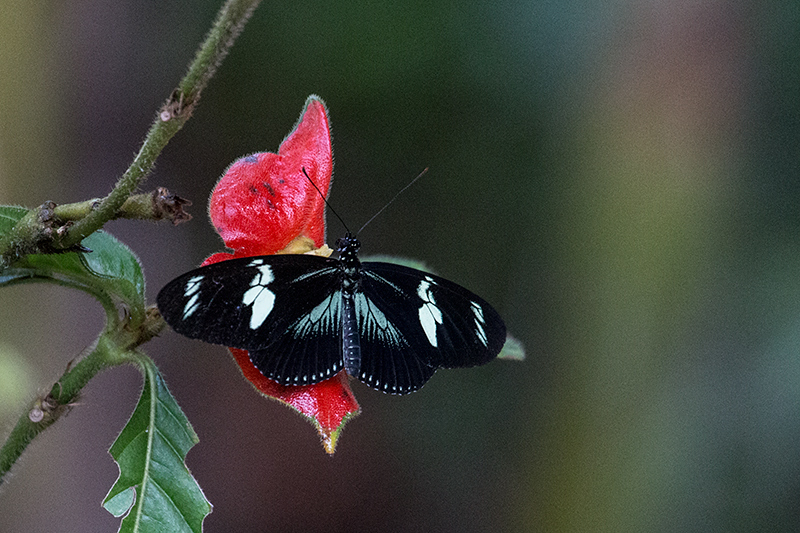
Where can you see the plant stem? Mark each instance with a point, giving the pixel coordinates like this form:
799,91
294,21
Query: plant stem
157,205
35,233
44,411
30,235
173,115
114,347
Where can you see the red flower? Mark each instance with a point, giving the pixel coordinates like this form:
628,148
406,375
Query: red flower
265,205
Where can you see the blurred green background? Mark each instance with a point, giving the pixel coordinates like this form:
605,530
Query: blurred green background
621,179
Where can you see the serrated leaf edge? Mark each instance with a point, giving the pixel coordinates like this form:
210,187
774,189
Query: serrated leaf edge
151,381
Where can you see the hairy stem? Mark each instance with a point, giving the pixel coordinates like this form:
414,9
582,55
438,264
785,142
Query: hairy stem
173,115
39,232
157,205
31,235
114,347
45,411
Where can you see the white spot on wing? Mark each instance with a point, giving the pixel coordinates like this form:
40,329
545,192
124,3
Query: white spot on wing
259,297
192,290
480,323
193,285
429,314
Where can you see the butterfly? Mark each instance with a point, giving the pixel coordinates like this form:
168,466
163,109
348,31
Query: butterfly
304,318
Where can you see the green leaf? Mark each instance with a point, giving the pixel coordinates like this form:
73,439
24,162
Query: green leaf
512,349
403,261
9,216
110,272
155,487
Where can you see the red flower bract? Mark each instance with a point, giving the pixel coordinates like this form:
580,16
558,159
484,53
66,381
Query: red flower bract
263,205
264,200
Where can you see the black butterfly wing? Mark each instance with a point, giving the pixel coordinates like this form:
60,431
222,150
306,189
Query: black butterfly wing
284,309
389,361
412,323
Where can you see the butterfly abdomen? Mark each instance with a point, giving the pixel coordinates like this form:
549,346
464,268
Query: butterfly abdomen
351,343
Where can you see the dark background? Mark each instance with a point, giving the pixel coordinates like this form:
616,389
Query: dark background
619,178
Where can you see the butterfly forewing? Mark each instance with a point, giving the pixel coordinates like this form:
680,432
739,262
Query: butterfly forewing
283,309
306,347
412,322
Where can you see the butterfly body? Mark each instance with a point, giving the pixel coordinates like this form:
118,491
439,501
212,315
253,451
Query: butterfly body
351,278
305,318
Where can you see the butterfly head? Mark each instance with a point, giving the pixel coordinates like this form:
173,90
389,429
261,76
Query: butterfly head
347,247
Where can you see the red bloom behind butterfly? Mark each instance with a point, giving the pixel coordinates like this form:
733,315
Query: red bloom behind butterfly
265,205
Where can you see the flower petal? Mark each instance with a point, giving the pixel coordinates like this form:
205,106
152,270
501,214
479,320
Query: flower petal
263,205
327,405
264,201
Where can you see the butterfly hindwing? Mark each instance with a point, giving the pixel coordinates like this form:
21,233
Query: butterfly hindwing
412,323
283,309
388,360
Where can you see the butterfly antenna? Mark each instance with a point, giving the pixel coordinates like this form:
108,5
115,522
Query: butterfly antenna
325,200
393,199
